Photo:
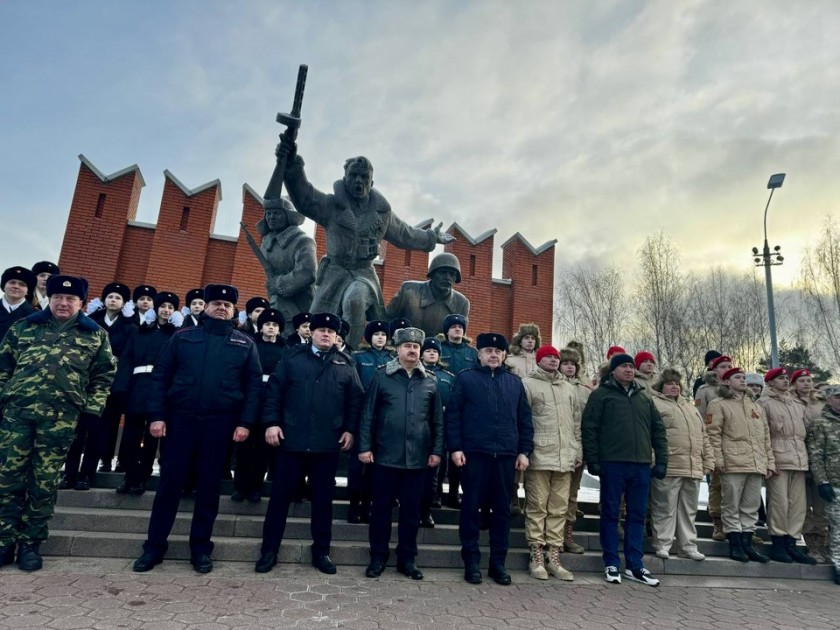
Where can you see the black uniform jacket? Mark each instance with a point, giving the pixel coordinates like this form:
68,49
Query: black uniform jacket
134,376
118,333
7,318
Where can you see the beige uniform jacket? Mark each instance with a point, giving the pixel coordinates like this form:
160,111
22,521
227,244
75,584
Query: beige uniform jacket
786,419
739,435
556,415
689,450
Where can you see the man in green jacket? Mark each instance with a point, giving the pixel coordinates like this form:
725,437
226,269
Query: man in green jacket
54,365
620,427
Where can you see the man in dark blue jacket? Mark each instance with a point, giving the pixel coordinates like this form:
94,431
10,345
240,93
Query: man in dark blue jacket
489,434
205,388
311,413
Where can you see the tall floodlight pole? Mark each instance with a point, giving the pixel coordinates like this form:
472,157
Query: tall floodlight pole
768,260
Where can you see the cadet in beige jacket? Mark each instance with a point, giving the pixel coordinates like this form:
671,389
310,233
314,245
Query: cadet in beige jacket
674,499
557,453
786,491
740,439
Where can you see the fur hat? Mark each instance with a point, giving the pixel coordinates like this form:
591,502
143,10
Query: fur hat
668,375
144,289
118,288
754,378
67,285
344,330
300,319
256,302
19,273
45,266
223,292
375,326
454,319
430,343
571,354
194,294
525,329
710,355
409,335
492,340
270,315
831,390
326,320
578,347
395,324
167,296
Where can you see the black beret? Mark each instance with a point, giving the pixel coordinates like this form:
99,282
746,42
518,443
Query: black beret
19,273
45,266
67,285
116,287
301,318
493,340
271,315
223,292
167,296
256,302
454,320
345,328
377,325
430,343
194,294
395,324
325,320
144,289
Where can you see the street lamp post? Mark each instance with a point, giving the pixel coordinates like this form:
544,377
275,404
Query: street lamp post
767,261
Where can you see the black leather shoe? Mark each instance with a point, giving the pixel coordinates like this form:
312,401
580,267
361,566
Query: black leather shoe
123,488
237,496
82,484
7,554
472,574
427,521
137,490
375,569
146,562
499,574
202,563
409,569
254,497
267,561
29,557
324,564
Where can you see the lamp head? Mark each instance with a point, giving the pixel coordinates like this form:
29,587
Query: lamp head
755,251
776,181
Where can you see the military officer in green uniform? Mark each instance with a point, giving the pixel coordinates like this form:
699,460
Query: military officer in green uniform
54,365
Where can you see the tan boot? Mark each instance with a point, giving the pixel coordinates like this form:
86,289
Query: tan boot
569,544
718,534
536,563
554,567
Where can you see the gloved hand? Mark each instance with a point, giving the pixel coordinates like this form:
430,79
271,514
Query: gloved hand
176,319
594,469
128,309
149,316
185,310
659,471
243,317
94,305
826,491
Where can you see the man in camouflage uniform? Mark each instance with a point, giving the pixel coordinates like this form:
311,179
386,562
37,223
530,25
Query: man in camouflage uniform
54,365
823,442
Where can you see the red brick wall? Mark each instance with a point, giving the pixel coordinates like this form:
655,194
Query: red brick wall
476,278
532,285
134,257
247,274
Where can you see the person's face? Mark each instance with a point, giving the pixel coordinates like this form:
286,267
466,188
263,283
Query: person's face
276,219
442,280
737,383
255,314
304,331
624,373
528,342
378,340
455,334
358,181
64,306
197,307
491,357
15,291
270,330
780,383
804,385
430,356
568,369
755,388
113,302
647,367
164,312
339,340
549,363
219,309
42,280
323,338
834,403
144,303
721,368
671,390
409,353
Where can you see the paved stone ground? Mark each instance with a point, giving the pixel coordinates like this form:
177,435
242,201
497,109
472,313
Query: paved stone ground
103,594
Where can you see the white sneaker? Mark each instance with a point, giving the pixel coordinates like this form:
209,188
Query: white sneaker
642,575
692,555
663,553
612,575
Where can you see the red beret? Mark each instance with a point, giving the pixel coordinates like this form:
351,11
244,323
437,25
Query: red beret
615,350
771,374
720,360
731,372
642,356
798,373
547,351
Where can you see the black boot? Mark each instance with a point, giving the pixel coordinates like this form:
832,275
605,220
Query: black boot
795,553
736,551
752,554
29,557
778,552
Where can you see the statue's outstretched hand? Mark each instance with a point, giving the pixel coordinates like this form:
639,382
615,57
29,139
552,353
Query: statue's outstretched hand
442,237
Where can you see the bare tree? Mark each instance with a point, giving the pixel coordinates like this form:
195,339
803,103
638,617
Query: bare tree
820,282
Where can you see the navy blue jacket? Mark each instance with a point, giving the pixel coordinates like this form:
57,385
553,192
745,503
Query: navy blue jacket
367,361
488,412
457,356
207,370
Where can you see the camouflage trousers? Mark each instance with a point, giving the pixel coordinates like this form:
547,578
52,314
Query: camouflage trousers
832,510
32,452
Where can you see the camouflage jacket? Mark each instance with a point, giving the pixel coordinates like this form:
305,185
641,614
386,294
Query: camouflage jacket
49,368
823,442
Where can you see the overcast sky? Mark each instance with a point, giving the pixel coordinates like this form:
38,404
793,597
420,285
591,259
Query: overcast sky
596,123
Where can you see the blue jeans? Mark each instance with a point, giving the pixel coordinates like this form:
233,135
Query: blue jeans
633,481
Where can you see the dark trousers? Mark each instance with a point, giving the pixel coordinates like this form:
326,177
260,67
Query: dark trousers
251,462
430,487
109,429
632,481
85,442
487,481
205,439
358,477
139,449
289,470
407,486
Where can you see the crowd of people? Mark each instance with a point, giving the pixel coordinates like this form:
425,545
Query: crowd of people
425,417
